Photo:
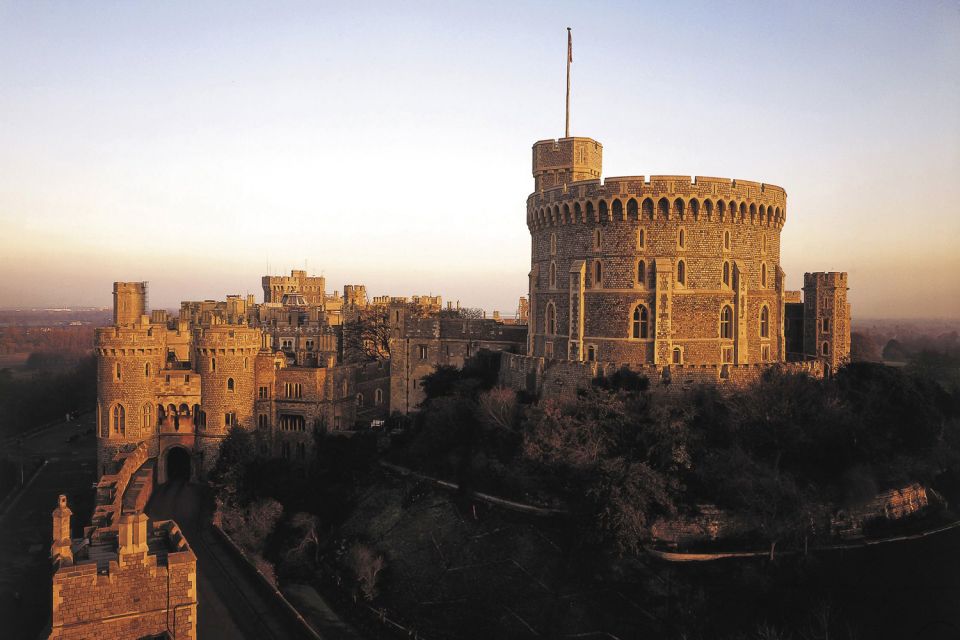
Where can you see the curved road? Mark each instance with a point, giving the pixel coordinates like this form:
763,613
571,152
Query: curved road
231,603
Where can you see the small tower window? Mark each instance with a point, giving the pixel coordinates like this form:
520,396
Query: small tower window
726,274
765,322
825,349
550,324
682,272
726,240
118,371
213,364
726,323
378,397
641,329
641,273
763,275
641,238
591,353
553,275
120,419
359,399
230,385
682,239
677,355
553,244
597,274
597,239
146,370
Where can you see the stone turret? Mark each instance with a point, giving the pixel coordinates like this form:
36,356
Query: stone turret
61,547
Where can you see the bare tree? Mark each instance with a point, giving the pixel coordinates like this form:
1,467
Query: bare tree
366,564
307,525
367,336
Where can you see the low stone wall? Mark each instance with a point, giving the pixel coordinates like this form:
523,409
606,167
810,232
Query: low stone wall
888,505
112,488
548,378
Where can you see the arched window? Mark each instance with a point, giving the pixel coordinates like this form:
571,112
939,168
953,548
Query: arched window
695,208
597,274
631,209
726,240
213,364
765,322
590,217
708,207
678,208
753,212
378,397
553,244
146,370
147,417
591,353
604,211
553,275
597,239
726,323
229,384
119,420
664,206
721,208
245,363
641,322
677,356
681,272
726,274
118,371
648,209
641,238
359,399
825,349
577,212
617,210
763,275
743,210
550,322
682,238
642,273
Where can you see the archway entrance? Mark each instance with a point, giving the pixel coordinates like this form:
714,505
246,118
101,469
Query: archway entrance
178,464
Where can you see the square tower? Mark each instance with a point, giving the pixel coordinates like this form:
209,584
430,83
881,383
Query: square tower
558,162
826,317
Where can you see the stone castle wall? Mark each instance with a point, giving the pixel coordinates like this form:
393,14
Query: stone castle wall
561,379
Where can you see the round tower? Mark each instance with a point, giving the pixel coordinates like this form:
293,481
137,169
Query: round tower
657,270
224,357
128,361
129,303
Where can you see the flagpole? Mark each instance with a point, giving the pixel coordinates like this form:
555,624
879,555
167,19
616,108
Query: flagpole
569,59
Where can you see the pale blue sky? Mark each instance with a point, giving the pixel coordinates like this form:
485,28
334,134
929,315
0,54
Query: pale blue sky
389,144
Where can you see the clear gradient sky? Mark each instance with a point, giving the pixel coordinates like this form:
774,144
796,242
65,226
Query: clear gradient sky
389,144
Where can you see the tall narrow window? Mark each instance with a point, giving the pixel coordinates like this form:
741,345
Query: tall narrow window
765,322
119,420
677,356
553,275
553,244
213,364
826,348
550,325
359,399
641,239
147,417
118,371
681,272
597,274
642,273
726,240
726,323
146,370
591,353
641,329
763,275
682,239
726,274
378,397
597,239
230,385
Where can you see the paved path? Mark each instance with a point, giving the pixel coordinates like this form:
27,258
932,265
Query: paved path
231,603
26,528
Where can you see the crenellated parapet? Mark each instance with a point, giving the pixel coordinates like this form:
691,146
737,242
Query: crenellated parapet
651,198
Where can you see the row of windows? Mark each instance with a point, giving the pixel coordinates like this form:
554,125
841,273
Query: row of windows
116,423
726,354
646,210
641,325
595,278
377,398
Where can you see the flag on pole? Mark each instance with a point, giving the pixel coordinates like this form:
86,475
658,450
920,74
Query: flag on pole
569,45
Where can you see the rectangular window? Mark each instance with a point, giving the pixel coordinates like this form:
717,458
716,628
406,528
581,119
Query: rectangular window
292,390
548,349
423,352
230,419
290,422
336,422
765,353
727,355
264,393
825,325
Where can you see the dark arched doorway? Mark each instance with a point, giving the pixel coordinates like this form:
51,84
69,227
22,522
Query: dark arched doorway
178,465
